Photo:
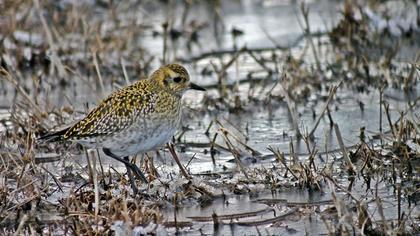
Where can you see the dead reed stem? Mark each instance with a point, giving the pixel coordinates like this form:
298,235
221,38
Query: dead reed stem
343,149
55,59
234,152
171,148
333,91
127,80
95,186
21,225
291,105
21,91
98,73
305,13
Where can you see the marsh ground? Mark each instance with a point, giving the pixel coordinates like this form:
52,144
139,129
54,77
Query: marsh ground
310,124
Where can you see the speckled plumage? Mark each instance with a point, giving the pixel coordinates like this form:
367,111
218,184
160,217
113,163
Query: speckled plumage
136,118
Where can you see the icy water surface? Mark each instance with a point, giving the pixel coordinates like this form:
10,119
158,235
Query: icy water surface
239,205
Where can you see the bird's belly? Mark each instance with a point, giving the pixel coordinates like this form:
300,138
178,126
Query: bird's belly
140,139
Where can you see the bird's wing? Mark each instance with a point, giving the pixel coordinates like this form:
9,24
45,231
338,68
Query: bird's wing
113,114
52,136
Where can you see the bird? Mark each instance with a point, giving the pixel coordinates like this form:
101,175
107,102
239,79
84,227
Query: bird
135,119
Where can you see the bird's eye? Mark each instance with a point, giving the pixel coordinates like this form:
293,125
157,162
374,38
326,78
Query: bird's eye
177,79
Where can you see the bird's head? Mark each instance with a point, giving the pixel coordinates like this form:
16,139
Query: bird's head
174,78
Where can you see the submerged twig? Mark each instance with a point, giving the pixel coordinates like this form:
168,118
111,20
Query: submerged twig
230,216
268,221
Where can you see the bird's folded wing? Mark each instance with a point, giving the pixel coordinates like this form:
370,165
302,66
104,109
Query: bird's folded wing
113,114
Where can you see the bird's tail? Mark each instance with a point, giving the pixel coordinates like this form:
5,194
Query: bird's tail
52,137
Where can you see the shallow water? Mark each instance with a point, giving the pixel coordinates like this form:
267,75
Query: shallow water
257,126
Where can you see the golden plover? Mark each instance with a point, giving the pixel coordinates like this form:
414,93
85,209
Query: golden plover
134,119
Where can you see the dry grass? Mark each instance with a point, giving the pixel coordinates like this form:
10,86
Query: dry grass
55,56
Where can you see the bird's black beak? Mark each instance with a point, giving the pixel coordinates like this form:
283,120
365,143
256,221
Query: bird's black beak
196,87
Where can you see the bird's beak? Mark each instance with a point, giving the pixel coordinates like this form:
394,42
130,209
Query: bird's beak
196,87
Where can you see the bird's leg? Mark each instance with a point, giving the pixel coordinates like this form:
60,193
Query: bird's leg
131,177
128,165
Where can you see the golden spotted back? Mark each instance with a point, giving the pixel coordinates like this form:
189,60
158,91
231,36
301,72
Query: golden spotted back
116,112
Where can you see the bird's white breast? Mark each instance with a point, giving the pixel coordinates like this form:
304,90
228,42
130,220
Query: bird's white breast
141,138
